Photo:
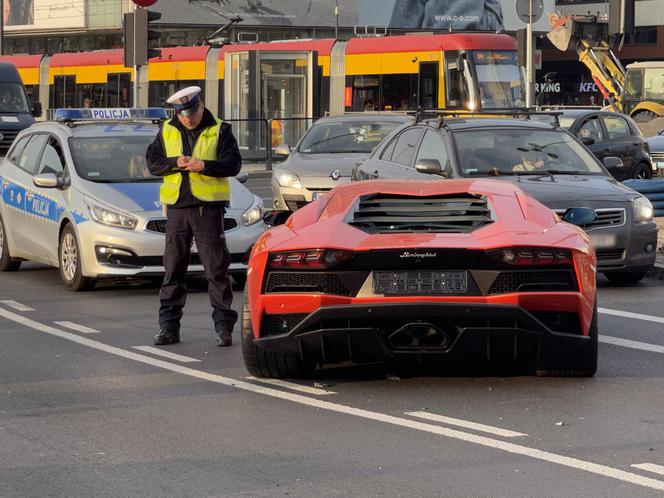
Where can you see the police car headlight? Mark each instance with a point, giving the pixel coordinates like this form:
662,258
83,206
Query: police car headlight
643,211
106,216
288,179
253,215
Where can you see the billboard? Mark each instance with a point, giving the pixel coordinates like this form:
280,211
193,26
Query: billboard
482,15
18,12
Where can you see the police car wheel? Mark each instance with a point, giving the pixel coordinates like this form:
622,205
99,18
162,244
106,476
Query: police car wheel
69,256
6,261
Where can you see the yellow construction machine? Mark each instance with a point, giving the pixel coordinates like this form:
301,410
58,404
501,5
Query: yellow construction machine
637,90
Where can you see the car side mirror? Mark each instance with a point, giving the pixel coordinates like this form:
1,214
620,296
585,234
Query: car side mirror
612,162
579,216
587,141
429,166
242,177
37,110
275,217
46,180
282,150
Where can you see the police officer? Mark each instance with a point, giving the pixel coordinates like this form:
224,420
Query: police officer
195,153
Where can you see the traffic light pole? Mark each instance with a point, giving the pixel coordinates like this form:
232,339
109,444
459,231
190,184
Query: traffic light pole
529,57
135,66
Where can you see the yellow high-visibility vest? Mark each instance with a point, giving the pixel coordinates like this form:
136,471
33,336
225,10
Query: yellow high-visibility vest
203,187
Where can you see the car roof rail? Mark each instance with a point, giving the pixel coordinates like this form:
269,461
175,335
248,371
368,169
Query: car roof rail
513,112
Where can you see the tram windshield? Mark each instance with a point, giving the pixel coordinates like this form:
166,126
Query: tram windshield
499,79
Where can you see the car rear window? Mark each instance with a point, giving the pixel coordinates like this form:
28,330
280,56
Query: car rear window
510,151
338,138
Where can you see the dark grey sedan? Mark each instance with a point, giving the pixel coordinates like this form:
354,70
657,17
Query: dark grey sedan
656,144
545,161
611,134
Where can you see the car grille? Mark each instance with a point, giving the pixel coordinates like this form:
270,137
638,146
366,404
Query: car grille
295,202
559,322
278,324
533,281
326,283
606,217
460,213
8,137
657,156
159,226
608,254
194,259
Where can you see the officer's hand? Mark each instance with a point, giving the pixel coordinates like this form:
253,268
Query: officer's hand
183,162
195,165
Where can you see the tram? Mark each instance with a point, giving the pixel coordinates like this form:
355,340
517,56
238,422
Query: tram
293,81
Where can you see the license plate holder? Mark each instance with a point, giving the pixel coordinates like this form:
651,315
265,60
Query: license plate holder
603,240
420,282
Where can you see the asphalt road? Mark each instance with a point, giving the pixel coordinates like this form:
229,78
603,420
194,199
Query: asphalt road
89,408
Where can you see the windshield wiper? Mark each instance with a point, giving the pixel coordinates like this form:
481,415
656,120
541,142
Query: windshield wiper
565,172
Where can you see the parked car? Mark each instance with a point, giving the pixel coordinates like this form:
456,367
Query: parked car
15,111
656,145
545,161
77,195
607,134
381,270
325,155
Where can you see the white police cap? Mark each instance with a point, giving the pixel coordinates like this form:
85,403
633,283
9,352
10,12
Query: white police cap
185,101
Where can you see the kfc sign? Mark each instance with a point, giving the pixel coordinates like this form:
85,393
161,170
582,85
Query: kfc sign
588,87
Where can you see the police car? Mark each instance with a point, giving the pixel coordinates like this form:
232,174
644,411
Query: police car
76,193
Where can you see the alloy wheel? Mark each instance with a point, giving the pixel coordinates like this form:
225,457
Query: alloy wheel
69,257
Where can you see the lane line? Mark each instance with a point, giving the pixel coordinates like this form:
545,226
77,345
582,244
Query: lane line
627,343
78,328
650,467
545,456
167,354
17,306
629,314
292,386
497,431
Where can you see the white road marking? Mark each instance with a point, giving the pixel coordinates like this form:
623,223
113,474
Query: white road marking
17,306
650,467
292,386
166,354
629,314
627,343
545,456
78,328
466,424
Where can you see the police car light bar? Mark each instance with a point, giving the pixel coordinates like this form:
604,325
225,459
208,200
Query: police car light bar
110,114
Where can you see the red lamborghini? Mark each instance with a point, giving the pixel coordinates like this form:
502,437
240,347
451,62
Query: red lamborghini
376,271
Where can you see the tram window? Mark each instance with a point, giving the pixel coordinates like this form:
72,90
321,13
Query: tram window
159,91
366,92
63,91
118,90
455,89
399,92
33,93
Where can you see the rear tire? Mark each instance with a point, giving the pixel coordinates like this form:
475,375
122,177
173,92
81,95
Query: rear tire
70,264
625,278
262,363
6,261
579,363
643,172
644,116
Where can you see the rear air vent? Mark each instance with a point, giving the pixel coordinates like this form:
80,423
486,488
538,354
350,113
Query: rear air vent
459,213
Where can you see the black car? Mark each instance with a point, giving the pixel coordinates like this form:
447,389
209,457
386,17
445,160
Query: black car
656,144
545,161
606,134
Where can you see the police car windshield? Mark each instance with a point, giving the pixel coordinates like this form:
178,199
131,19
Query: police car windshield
349,137
13,99
107,159
516,151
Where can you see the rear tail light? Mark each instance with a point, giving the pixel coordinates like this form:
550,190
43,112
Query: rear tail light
532,256
311,258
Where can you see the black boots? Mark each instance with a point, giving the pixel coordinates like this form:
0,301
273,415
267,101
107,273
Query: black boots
166,337
224,337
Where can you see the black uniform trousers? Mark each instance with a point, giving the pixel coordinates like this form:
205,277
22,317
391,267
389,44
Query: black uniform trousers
205,225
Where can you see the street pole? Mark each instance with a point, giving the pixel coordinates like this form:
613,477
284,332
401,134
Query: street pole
135,65
2,27
529,57
336,17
